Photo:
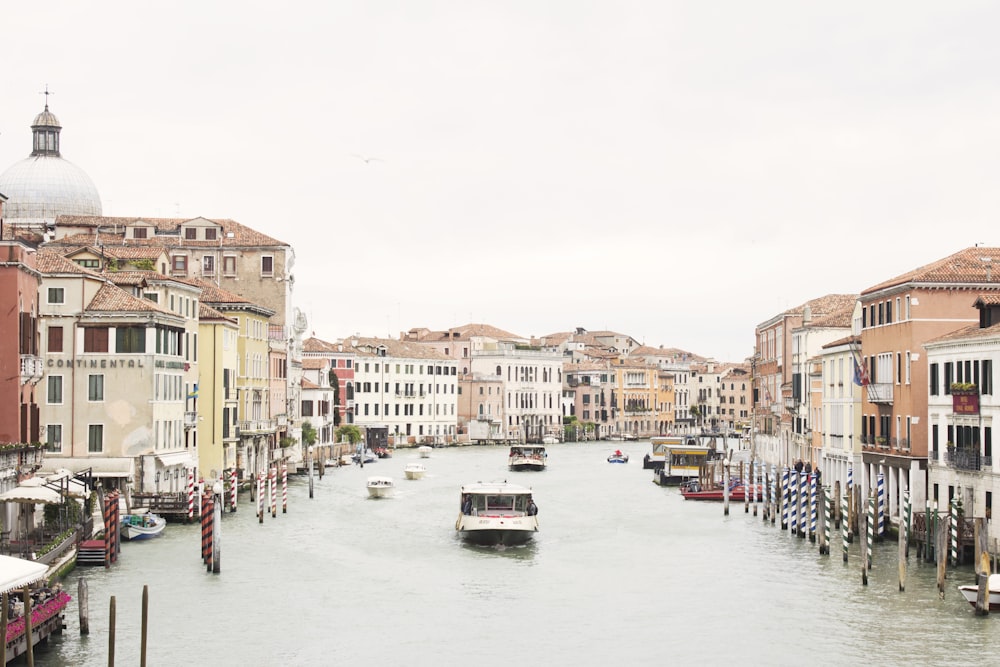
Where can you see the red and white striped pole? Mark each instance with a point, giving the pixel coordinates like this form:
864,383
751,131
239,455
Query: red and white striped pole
284,488
233,488
260,495
190,493
272,482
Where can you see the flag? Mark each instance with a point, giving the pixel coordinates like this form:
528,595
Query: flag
860,373
194,392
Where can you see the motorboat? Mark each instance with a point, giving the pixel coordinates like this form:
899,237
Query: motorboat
550,440
497,514
142,526
424,451
695,490
618,456
380,487
368,457
971,592
527,457
414,470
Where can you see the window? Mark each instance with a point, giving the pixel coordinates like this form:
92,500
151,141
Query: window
191,233
95,387
208,265
95,339
53,438
307,408
57,295
179,263
267,265
139,232
229,265
210,234
95,438
130,340
55,390
89,263
55,339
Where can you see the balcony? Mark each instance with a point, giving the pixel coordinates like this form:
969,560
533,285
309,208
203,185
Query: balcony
967,459
880,392
251,427
190,419
31,368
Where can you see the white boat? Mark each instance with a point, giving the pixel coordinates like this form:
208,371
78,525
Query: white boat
414,470
142,526
380,487
618,456
971,592
368,457
497,514
527,457
425,451
550,440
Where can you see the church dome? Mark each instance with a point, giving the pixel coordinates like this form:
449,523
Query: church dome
44,184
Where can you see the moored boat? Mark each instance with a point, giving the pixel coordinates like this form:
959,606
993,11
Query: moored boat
971,592
414,470
527,457
694,490
497,514
425,451
380,487
618,456
142,526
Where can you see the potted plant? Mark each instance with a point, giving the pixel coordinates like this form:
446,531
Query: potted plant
964,388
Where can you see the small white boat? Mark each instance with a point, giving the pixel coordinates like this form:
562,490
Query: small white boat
497,514
550,440
380,487
414,470
425,451
527,457
142,526
618,456
971,592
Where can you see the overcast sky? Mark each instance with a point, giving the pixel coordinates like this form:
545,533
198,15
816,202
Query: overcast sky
676,171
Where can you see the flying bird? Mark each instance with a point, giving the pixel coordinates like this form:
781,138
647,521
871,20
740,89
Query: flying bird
367,159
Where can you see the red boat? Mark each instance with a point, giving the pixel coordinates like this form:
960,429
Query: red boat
693,490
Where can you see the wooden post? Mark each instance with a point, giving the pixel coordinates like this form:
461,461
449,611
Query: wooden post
863,523
311,452
111,633
27,627
744,474
217,537
838,510
145,625
983,564
902,556
941,554
82,603
725,487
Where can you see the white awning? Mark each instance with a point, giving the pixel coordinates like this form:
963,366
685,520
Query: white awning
175,459
31,495
101,466
17,573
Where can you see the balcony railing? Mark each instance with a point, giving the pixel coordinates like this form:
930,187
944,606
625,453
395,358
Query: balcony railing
31,368
966,459
190,419
256,426
880,392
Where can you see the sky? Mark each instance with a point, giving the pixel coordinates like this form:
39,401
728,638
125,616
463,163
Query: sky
679,172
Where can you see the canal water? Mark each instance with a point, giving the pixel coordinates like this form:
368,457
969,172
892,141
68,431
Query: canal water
622,572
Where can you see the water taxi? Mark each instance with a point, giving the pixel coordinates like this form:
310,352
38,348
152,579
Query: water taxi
527,457
380,487
682,459
414,470
497,514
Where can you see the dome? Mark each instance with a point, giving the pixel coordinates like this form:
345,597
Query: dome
41,187
44,185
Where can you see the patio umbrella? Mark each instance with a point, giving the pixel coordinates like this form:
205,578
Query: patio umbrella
17,573
31,495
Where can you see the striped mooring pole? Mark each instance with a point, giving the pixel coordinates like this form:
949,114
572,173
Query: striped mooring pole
881,505
272,485
813,506
233,489
207,519
785,497
803,503
907,518
827,522
953,519
793,482
845,525
260,495
284,488
190,493
869,546
773,509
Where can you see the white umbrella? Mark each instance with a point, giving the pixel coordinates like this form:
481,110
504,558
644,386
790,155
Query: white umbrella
17,573
31,495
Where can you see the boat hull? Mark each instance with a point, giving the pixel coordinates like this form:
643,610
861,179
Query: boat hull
736,494
617,459
132,532
527,465
496,531
414,474
379,491
971,592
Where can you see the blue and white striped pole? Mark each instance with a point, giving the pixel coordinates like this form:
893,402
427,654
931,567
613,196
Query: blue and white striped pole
803,503
813,506
774,493
881,505
907,517
869,548
785,491
953,515
845,525
793,498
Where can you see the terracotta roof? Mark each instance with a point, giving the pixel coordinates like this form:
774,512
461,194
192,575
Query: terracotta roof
111,298
209,313
309,384
52,262
466,331
313,344
971,265
847,340
971,332
315,364
394,348
168,231
988,300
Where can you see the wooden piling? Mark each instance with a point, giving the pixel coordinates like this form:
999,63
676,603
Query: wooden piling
3,628
902,556
145,623
838,510
725,488
27,627
941,553
983,564
111,633
864,558
83,605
